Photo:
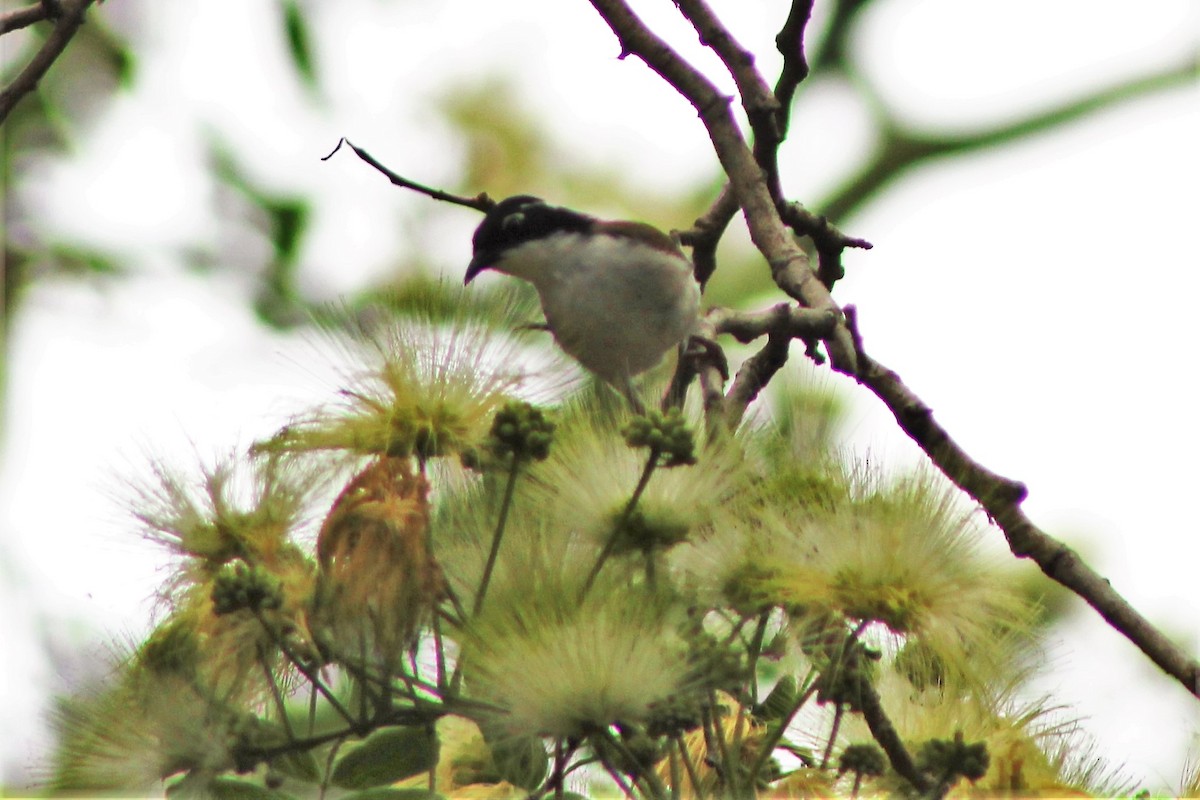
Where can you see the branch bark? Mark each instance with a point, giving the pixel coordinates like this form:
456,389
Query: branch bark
790,265
68,22
1001,498
21,17
707,231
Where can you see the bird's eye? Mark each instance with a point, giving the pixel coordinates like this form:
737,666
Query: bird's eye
513,220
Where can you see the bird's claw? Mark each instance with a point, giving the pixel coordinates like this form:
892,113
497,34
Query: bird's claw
703,350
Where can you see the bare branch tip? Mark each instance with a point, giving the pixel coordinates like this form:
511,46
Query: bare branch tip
336,147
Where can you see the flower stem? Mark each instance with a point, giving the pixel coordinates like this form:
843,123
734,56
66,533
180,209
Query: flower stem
501,523
276,695
776,734
643,481
837,723
693,774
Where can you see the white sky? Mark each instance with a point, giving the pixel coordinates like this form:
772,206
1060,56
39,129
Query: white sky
1039,298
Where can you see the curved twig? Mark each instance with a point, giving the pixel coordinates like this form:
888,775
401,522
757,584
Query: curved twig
789,264
69,19
21,17
902,148
480,202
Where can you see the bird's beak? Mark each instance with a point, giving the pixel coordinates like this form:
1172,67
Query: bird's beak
478,264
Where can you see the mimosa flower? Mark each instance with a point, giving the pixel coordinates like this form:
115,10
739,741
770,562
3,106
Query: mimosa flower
903,555
562,663
378,581
588,480
427,385
243,515
153,723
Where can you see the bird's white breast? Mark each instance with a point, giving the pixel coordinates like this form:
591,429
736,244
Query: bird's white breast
615,304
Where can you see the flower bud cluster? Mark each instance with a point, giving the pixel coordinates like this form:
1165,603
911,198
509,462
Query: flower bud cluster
666,434
241,586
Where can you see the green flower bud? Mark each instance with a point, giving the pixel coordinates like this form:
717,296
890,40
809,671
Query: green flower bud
239,586
947,760
863,759
522,431
664,434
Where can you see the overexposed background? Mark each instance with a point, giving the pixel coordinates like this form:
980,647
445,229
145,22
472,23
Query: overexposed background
1040,296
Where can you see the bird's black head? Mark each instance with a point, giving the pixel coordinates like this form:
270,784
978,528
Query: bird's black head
516,220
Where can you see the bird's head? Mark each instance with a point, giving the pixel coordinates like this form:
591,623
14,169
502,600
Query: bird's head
519,220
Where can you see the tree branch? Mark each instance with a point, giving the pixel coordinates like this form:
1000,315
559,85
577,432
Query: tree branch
761,105
480,202
756,372
789,264
902,148
828,240
707,231
21,17
790,44
769,113
782,319
68,22
1001,498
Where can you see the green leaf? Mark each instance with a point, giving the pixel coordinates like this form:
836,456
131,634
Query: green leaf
388,793
301,766
387,756
779,702
520,760
229,789
299,40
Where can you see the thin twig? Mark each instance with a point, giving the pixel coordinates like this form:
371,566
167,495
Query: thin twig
308,673
480,202
276,695
828,241
21,17
789,264
728,770
902,148
775,735
755,373
833,732
27,80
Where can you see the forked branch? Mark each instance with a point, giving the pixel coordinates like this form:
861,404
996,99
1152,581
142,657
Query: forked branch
749,185
69,16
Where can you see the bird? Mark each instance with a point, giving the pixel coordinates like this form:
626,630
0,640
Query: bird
617,294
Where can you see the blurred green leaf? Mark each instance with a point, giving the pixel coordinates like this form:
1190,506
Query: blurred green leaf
278,302
387,756
230,789
301,766
778,704
521,761
295,28
388,793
